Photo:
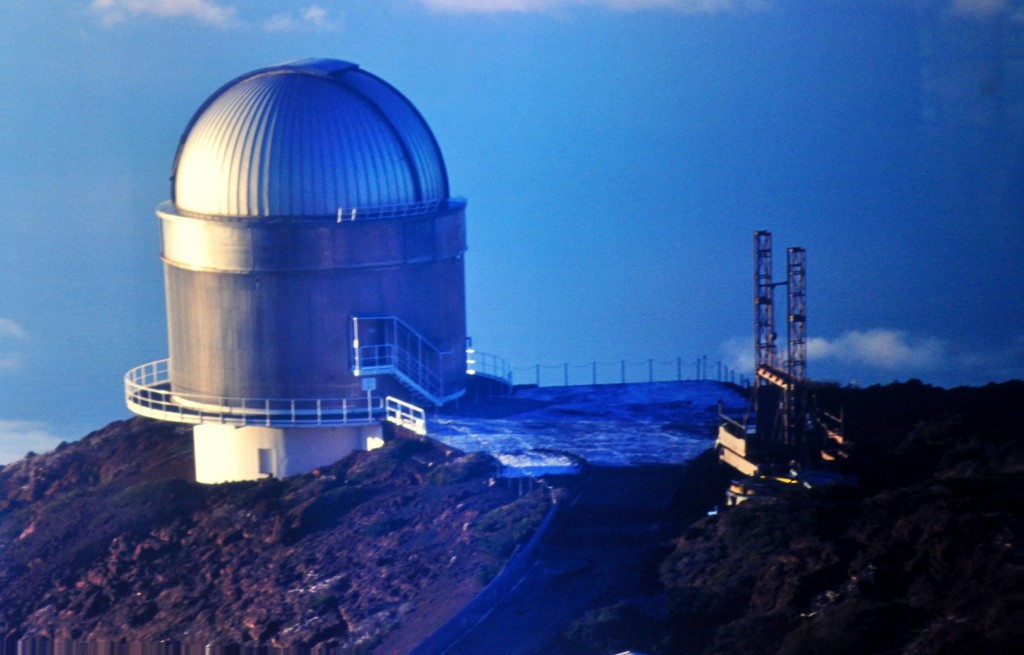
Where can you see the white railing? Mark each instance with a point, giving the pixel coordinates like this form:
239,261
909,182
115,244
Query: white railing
374,358
488,365
148,392
628,371
387,211
386,344
406,415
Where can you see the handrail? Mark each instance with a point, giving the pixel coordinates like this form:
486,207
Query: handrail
403,352
624,371
405,415
345,214
348,214
149,392
488,365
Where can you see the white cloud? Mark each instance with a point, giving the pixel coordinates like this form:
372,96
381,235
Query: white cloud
879,348
879,353
979,8
986,9
313,17
739,354
213,12
19,437
205,11
10,361
522,6
11,328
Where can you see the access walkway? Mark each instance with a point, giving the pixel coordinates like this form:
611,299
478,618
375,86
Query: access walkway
602,548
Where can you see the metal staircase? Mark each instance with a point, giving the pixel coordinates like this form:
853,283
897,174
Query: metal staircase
387,345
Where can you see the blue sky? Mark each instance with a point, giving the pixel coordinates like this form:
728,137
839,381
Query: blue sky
617,156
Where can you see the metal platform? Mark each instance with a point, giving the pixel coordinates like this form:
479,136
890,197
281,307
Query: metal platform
148,392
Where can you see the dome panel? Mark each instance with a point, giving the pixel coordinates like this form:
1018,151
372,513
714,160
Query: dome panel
306,139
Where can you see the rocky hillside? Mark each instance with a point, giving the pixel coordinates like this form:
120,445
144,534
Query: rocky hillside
924,557
109,538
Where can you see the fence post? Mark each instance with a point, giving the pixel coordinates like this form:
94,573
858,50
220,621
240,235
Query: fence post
679,369
622,365
565,370
538,375
650,370
594,371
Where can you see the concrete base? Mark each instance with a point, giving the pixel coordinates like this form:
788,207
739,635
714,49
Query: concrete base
225,453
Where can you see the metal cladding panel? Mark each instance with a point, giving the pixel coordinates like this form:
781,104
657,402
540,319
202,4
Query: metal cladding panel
282,245
418,241
285,334
206,244
450,232
255,336
421,146
300,141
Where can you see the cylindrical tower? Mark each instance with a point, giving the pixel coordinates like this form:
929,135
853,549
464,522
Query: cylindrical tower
312,257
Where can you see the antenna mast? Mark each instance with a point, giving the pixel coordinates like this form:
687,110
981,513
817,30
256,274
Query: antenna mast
796,283
764,312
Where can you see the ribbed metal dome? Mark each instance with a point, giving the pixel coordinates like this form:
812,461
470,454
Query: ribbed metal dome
308,138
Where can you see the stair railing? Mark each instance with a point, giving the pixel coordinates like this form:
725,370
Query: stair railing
388,345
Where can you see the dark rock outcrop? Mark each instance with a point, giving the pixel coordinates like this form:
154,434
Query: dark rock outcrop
108,538
922,558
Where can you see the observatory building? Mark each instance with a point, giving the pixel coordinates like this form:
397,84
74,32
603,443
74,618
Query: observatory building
313,273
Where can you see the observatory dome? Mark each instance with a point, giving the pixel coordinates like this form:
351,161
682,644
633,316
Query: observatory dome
307,138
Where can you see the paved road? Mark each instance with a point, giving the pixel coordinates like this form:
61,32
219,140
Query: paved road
605,547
